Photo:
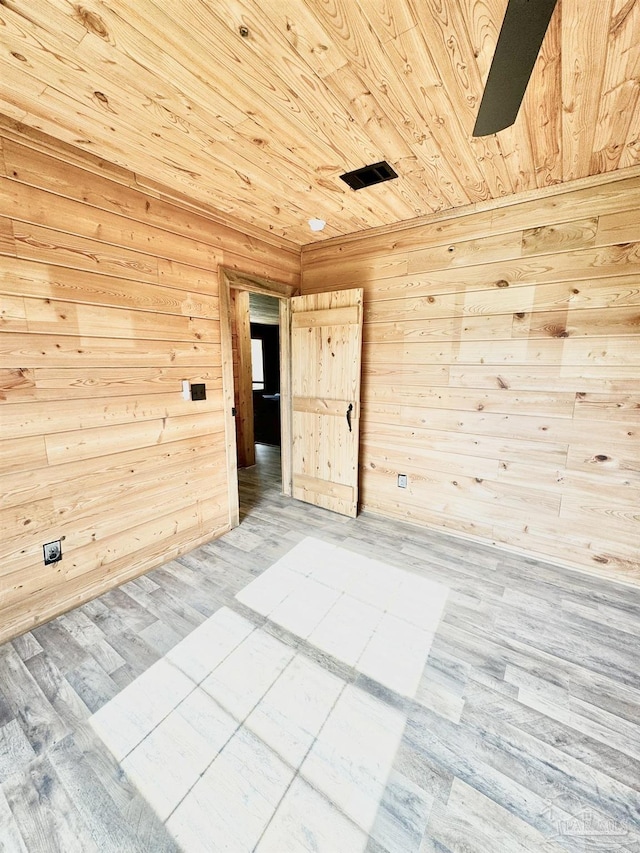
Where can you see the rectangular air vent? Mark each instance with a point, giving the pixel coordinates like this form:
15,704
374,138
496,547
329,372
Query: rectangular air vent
367,176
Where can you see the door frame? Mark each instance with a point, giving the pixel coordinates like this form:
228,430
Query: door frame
229,279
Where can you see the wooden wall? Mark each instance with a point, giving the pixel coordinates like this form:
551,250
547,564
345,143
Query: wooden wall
264,309
501,371
108,301
242,377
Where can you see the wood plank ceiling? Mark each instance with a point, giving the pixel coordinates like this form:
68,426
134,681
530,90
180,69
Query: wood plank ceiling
261,125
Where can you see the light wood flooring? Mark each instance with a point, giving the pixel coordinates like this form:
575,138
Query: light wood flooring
521,732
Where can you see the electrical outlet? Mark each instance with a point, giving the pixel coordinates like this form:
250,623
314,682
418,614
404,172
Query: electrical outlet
52,552
402,481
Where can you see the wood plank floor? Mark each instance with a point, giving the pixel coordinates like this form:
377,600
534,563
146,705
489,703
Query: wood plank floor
520,733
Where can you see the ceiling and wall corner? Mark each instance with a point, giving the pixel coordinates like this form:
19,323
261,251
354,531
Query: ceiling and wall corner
501,372
109,303
255,109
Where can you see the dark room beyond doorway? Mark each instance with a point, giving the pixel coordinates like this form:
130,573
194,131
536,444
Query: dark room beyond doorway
265,352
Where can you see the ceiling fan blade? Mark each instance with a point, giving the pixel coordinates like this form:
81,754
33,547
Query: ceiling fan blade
523,28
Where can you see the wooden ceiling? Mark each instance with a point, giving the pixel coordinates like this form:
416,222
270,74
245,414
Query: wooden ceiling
255,107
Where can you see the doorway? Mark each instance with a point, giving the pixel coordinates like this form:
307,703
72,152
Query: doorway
247,391
264,316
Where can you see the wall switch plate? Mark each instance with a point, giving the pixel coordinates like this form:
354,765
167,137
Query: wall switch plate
199,391
186,389
52,552
402,481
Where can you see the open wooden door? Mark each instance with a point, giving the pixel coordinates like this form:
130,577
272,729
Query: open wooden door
326,342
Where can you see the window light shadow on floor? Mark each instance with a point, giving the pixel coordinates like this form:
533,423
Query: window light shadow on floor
238,739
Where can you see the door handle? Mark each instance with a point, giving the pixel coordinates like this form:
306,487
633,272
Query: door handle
349,410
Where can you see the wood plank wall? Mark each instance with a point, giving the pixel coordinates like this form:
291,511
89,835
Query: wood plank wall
501,372
109,300
242,377
264,309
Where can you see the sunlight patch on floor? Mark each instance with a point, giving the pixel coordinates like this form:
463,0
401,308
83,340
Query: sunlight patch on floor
377,618
241,742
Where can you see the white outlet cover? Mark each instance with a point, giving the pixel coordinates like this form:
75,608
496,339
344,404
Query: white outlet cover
52,552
